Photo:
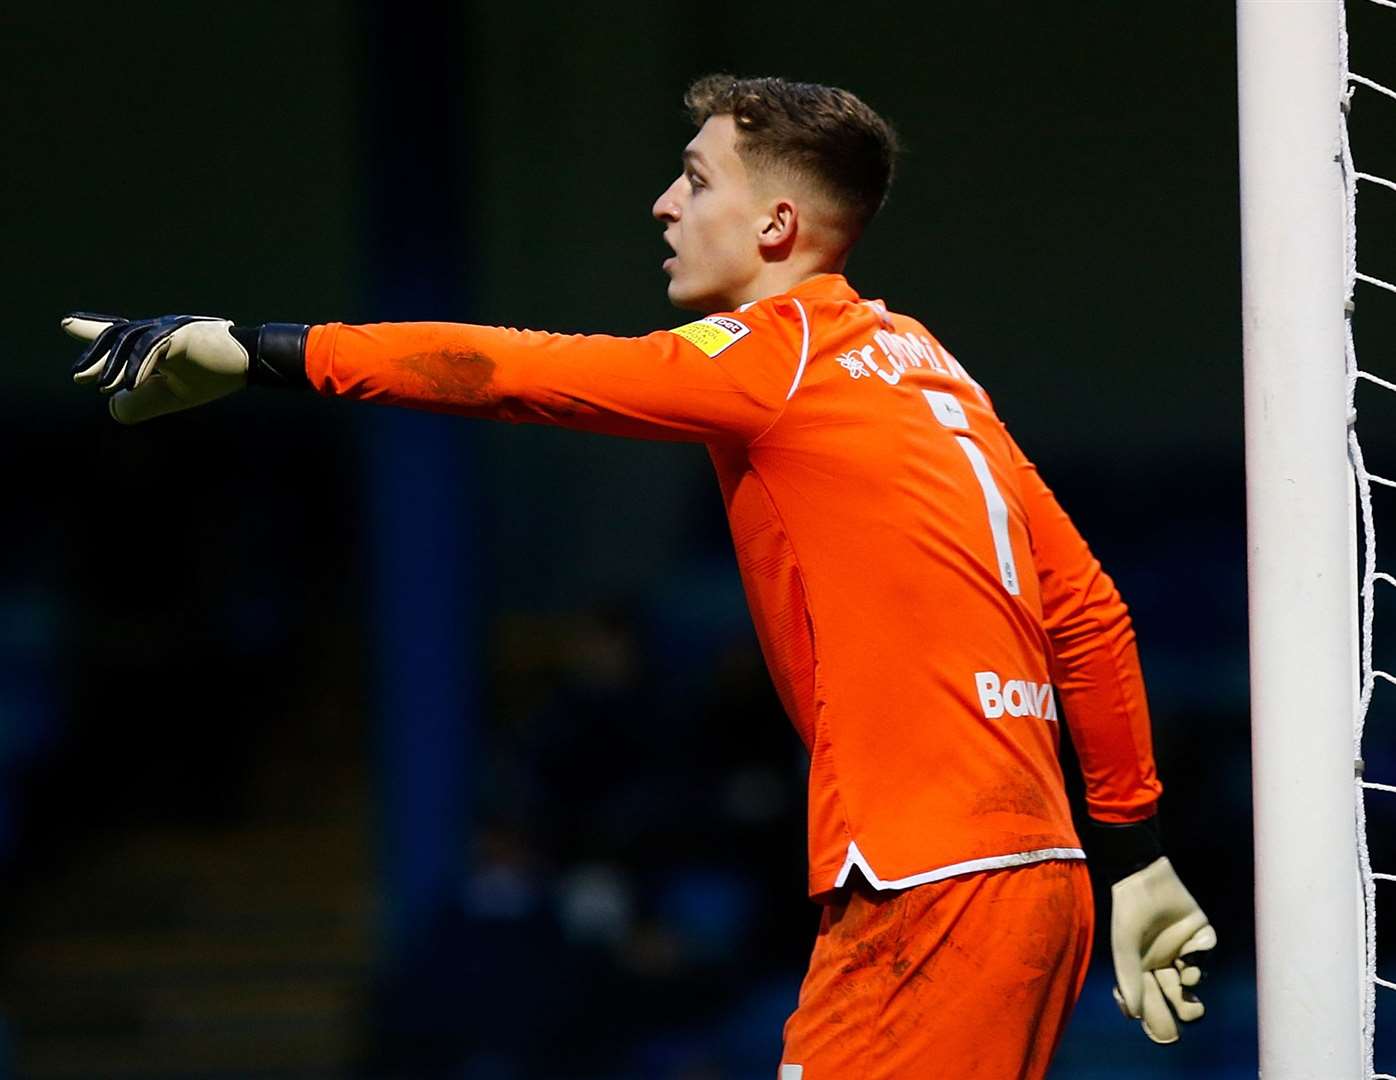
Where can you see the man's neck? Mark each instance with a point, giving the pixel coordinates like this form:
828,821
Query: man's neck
779,278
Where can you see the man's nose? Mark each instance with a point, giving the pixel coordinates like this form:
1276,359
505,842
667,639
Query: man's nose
666,207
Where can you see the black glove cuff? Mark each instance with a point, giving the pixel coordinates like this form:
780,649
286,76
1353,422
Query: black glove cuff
1120,850
276,353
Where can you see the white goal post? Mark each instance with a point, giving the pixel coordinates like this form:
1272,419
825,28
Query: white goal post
1301,540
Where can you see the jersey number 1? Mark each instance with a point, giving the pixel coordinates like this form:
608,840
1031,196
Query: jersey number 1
951,414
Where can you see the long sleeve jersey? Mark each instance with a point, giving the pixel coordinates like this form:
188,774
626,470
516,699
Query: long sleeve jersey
921,599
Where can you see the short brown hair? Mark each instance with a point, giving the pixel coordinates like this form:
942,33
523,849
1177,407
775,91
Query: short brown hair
820,133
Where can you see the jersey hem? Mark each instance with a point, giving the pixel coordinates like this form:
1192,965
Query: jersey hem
857,859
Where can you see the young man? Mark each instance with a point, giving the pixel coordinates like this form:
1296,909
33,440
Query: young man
917,591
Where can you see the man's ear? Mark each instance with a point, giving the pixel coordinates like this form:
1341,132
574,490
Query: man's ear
779,228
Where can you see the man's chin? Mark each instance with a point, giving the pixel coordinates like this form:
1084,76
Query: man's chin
687,300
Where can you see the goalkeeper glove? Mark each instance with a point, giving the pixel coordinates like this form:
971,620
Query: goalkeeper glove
1156,931
157,366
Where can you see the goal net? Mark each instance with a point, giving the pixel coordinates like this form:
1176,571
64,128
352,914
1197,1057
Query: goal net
1365,100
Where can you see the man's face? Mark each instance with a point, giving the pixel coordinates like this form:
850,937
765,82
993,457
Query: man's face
712,220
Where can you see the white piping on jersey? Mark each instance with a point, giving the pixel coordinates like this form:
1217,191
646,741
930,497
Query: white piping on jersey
994,862
804,348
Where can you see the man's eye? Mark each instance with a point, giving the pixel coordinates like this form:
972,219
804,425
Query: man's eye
694,180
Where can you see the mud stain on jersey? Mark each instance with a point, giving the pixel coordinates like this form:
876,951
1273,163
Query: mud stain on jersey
458,376
1018,799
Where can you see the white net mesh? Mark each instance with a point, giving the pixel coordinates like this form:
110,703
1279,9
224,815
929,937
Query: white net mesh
1357,87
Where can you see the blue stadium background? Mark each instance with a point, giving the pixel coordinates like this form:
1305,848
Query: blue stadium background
343,742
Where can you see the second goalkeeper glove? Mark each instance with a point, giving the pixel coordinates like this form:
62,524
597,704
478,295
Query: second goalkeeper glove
162,365
1156,931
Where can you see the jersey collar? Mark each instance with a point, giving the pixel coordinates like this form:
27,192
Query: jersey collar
819,287
826,287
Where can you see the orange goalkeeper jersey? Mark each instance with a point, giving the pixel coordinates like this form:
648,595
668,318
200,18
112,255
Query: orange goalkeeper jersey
917,591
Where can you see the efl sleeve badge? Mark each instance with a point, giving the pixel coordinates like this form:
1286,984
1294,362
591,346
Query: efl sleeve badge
713,334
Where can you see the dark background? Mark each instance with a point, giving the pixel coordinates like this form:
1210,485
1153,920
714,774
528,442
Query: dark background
232,842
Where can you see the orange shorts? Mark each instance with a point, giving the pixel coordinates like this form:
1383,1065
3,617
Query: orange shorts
974,976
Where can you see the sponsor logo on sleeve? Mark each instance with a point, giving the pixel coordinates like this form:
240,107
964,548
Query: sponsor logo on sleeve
713,334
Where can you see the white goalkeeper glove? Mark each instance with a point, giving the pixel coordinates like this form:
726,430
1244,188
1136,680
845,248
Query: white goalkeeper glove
157,366
1156,932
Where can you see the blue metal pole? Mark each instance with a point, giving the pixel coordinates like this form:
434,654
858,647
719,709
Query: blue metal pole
420,501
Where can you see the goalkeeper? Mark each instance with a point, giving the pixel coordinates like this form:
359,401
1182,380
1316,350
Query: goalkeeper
922,601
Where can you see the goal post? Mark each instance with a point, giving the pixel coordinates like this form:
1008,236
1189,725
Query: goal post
1300,539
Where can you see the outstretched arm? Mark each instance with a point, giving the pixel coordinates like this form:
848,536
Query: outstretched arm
720,379
657,386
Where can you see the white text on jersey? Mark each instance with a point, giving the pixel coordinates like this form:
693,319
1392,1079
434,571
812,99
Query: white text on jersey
1016,697
900,353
